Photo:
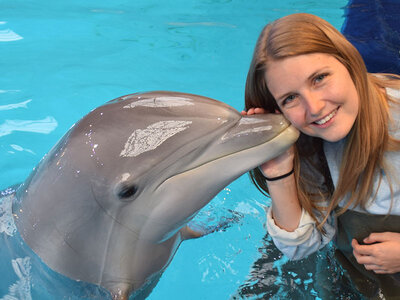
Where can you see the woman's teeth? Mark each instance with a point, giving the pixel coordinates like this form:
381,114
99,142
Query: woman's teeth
326,119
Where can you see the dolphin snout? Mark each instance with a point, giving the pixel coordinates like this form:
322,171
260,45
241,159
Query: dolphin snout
260,128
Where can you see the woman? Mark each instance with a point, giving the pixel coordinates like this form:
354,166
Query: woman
341,178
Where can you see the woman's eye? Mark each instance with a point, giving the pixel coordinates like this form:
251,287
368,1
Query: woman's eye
319,78
288,100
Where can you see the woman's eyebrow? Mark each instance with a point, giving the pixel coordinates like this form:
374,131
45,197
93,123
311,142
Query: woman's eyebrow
283,96
312,75
320,70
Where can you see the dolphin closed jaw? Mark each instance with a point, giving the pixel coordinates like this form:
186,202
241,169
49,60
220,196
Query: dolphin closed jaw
110,203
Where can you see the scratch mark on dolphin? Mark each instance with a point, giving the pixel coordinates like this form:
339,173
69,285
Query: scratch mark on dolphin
143,140
227,136
161,102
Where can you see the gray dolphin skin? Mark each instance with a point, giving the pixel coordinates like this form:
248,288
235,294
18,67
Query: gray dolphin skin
110,202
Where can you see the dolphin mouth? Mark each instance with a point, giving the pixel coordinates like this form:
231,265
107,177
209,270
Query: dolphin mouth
211,175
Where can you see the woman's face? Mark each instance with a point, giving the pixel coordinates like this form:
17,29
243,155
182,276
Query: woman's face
315,93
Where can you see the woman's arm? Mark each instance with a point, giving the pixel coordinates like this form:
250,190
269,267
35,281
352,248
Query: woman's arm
292,229
286,209
304,240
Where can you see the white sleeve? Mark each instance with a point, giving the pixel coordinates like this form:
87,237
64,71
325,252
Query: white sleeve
304,240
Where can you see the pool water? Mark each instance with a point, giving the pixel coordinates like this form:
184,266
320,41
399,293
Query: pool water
61,59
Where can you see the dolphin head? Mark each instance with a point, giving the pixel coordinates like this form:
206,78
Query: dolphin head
107,203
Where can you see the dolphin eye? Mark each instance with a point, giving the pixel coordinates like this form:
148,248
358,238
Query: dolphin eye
127,191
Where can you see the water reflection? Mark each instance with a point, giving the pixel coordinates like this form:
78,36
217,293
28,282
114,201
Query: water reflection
20,149
209,24
9,91
15,105
8,35
45,126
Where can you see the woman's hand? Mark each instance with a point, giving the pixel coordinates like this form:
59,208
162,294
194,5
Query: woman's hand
381,254
281,164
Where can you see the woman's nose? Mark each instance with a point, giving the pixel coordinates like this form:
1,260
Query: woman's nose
314,103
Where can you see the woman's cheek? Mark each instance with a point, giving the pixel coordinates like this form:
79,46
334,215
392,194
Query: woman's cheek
294,119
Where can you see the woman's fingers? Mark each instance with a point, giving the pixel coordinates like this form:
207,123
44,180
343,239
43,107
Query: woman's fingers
360,250
253,111
259,110
381,237
364,259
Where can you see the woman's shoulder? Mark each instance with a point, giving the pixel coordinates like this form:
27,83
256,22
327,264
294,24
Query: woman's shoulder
394,111
393,93
390,82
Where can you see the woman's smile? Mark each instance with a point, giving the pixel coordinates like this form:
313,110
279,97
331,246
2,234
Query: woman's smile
325,121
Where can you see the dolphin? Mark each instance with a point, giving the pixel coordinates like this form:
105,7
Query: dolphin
109,204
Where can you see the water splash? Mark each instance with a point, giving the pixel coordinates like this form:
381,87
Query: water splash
21,290
7,224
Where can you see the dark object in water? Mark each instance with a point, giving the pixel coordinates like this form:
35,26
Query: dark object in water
373,27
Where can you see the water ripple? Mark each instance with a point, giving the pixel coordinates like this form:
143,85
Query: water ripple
208,24
45,126
15,105
9,91
9,36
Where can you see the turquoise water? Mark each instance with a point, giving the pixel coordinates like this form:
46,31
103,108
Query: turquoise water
61,59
